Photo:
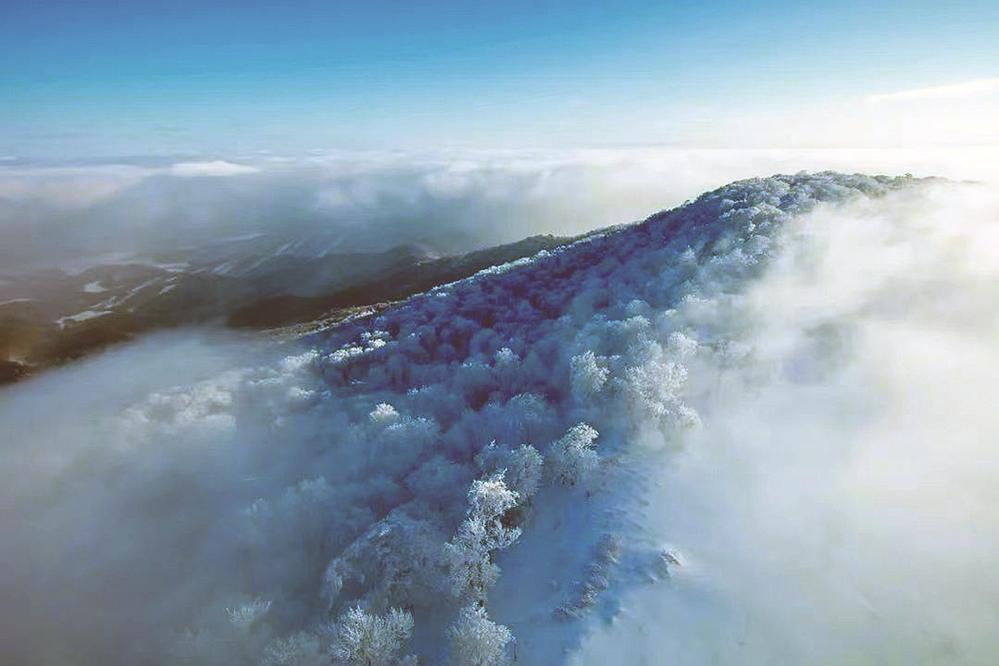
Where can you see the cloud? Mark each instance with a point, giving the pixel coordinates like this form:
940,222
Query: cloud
64,188
218,168
962,90
453,200
838,502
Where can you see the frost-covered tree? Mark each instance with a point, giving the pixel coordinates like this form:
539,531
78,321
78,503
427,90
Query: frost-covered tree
248,615
398,560
572,458
589,375
301,649
523,467
240,639
654,387
478,641
440,482
492,458
383,413
363,639
469,553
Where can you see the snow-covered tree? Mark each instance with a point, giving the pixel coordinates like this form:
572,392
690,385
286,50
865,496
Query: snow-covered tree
383,413
238,639
440,482
589,375
572,458
492,458
246,616
398,560
301,649
363,639
655,387
469,553
478,641
523,467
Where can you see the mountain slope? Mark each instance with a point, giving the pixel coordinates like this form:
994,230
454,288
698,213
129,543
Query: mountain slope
753,429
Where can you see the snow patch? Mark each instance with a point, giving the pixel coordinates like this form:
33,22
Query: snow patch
94,287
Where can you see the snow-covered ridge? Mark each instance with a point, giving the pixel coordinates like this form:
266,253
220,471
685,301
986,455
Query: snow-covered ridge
593,333
466,476
597,333
730,214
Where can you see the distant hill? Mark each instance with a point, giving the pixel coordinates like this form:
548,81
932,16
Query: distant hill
50,317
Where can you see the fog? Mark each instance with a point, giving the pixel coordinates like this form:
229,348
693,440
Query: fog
789,387
71,214
838,503
119,494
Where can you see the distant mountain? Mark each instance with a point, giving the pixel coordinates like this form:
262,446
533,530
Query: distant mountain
391,285
48,317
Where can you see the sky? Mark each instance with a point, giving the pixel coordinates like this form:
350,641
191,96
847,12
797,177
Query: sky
150,77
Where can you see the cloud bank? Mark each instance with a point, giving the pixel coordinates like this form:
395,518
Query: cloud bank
214,168
837,503
960,90
456,201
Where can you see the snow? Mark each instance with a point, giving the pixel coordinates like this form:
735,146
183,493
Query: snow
176,267
81,316
93,287
651,445
135,290
242,237
11,301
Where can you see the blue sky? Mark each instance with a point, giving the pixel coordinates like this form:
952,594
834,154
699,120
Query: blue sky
149,77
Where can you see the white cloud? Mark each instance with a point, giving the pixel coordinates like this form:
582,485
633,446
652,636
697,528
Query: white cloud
213,168
68,187
458,200
837,504
960,90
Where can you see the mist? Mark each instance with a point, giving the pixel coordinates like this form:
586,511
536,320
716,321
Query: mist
787,386
837,503
72,215
109,468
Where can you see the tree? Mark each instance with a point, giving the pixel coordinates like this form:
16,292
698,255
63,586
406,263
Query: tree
589,375
398,561
522,466
468,554
301,649
572,458
478,641
372,640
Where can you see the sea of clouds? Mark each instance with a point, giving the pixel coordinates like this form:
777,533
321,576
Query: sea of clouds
787,386
74,214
